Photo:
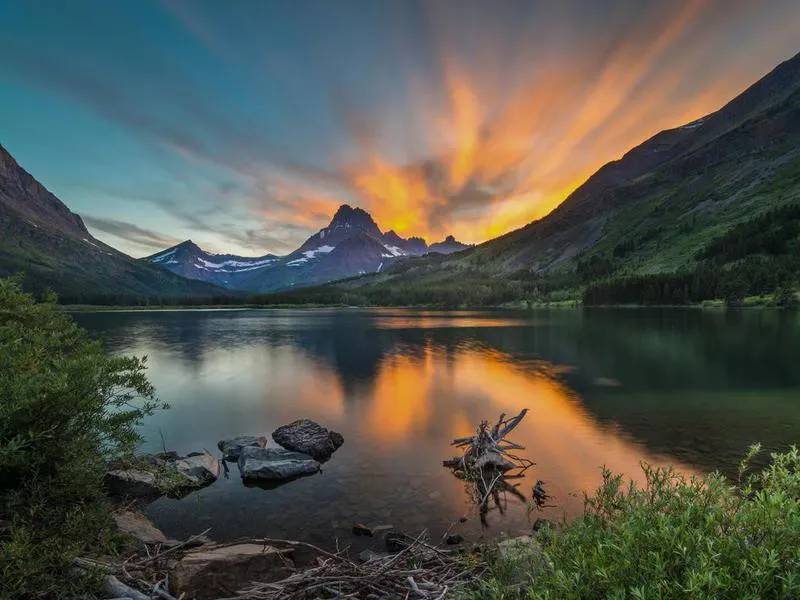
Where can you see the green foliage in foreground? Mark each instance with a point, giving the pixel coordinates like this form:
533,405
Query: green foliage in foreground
66,409
674,537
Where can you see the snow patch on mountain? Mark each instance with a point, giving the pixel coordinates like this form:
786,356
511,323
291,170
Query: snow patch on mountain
160,257
395,251
694,124
235,265
323,249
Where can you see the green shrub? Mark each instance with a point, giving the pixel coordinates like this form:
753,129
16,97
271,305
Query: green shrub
66,408
673,537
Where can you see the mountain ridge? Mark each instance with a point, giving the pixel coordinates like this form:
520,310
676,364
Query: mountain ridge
651,211
51,246
351,244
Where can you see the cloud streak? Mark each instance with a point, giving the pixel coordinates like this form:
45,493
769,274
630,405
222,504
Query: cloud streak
441,117
138,236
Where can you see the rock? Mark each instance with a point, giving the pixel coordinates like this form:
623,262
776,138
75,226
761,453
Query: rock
368,555
308,437
200,468
169,455
359,529
453,539
232,448
275,464
131,483
494,460
196,542
220,571
140,527
160,459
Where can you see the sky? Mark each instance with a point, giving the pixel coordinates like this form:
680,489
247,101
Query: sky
244,125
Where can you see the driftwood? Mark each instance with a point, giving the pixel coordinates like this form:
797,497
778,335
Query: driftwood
419,570
115,588
488,465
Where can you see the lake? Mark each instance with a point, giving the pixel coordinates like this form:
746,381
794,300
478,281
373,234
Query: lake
604,387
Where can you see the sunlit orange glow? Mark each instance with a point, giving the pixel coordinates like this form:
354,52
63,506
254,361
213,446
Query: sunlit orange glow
451,393
496,136
400,405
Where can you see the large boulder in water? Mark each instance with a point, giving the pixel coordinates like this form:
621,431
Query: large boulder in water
308,437
275,464
231,448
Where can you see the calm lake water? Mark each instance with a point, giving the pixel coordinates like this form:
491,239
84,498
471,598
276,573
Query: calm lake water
611,387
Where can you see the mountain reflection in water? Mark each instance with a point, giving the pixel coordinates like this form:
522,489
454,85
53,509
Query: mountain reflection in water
607,388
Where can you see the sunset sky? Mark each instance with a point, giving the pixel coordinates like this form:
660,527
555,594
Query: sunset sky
243,125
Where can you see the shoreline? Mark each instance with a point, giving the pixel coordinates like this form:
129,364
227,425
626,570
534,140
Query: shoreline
707,305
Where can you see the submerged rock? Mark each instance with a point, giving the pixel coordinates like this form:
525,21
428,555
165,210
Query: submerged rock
131,483
454,538
220,571
275,464
231,448
308,437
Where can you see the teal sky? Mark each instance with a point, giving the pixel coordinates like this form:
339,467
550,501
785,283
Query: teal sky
243,125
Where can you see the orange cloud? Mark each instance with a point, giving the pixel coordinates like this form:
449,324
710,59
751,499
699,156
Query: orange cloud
498,136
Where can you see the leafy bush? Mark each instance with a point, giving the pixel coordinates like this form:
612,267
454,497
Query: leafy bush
675,537
65,409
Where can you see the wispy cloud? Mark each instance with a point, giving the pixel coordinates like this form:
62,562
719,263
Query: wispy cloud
439,117
146,239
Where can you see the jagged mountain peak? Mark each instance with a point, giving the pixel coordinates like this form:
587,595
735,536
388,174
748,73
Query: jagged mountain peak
347,217
189,245
391,235
448,245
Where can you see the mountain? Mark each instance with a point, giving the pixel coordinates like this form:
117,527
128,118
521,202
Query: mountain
188,260
42,238
447,246
654,212
668,196
351,244
413,246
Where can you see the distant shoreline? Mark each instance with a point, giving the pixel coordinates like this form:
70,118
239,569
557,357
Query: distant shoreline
572,305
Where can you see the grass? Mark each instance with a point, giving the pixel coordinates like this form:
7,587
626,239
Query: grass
673,537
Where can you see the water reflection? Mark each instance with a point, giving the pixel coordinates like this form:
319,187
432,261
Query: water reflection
693,389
